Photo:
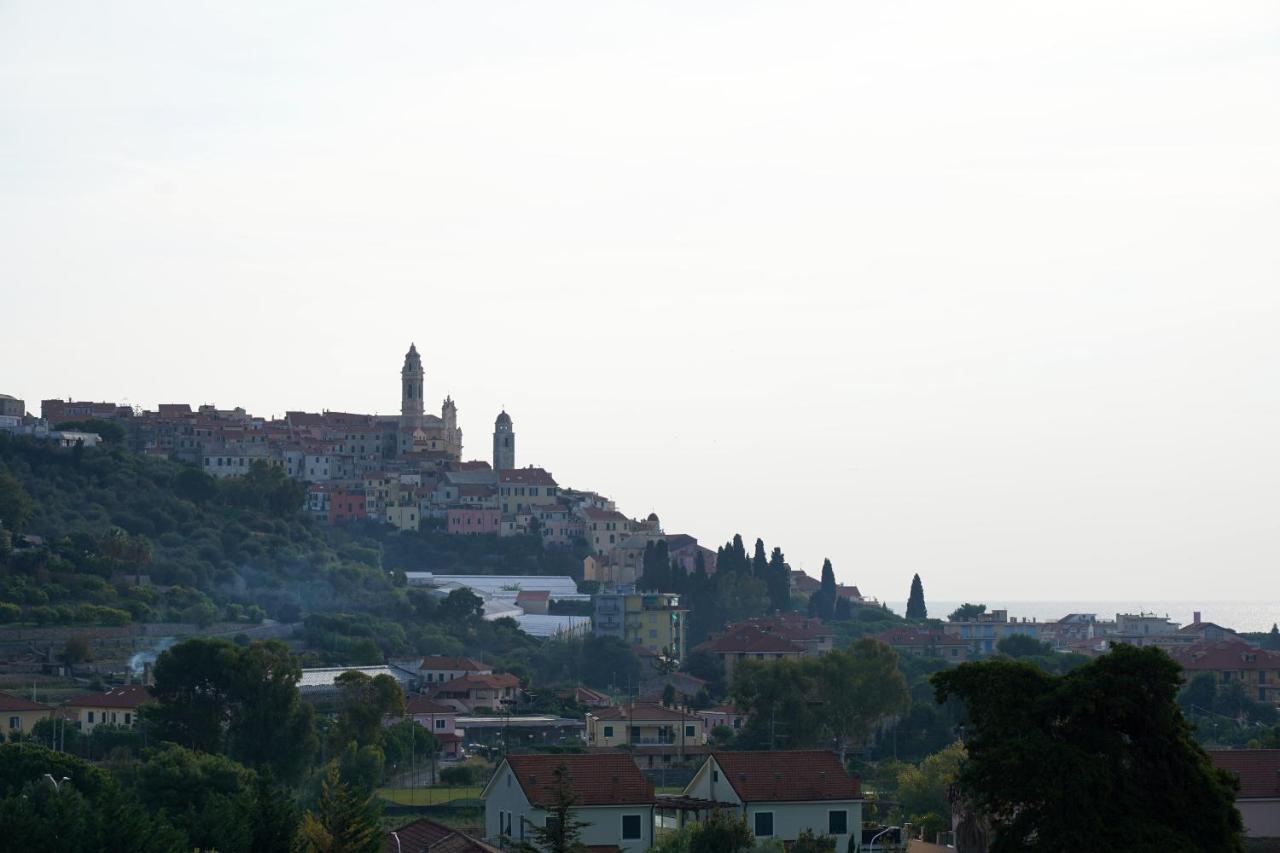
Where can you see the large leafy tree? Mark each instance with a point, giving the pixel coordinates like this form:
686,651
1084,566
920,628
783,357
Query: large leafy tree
858,688
16,505
1098,759
916,608
193,686
365,703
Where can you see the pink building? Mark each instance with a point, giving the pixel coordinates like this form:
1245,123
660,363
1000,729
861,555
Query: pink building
441,720
464,521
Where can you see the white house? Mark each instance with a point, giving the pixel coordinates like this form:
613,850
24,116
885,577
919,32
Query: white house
1259,796
613,798
784,792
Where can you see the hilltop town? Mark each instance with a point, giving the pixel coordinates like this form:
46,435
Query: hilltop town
472,638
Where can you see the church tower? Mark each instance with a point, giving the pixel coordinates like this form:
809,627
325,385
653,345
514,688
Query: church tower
411,381
504,443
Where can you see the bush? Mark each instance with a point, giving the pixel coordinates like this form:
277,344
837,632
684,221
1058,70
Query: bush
458,776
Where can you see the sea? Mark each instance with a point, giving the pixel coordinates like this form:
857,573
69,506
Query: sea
1236,615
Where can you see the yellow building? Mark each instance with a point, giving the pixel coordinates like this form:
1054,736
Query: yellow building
644,725
521,489
654,621
404,517
19,716
605,528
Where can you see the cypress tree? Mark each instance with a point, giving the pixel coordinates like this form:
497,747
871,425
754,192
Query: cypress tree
827,592
915,602
779,581
760,563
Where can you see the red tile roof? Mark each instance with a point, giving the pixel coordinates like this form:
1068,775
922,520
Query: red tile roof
426,835
642,713
594,514
475,681
787,776
474,465
9,702
596,779
425,705
1257,769
128,696
526,477
533,595
752,641
914,638
459,663
1231,655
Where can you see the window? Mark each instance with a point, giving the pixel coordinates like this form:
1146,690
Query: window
15,722
689,731
91,716
128,719
552,824
439,723
715,775
631,827
837,822
608,731
764,824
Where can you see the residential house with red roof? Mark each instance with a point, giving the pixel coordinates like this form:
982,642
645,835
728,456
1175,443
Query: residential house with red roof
520,489
1235,661
604,528
917,643
115,706
437,668
614,799
438,718
781,793
1258,799
19,716
471,693
640,726
769,638
427,836
725,714
534,600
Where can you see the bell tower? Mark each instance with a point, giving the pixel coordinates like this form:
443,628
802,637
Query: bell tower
504,443
411,381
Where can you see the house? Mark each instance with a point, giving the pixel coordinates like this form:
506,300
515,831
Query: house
19,716
986,630
437,668
614,799
1258,670
115,706
427,836
725,714
533,600
604,528
1259,796
750,644
781,793
587,697
519,489
639,726
937,644
655,621
470,693
439,719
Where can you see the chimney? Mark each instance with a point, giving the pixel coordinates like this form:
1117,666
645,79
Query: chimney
146,674
1195,617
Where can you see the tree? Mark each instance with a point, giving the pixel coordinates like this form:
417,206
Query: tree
669,696
1108,729
108,431
195,485
915,602
825,598
16,505
1200,695
344,821
1023,646
923,789
462,606
563,831
722,832
269,725
760,563
365,702
779,581
967,612
193,684
858,688
210,797
77,650
808,842
1272,640
843,611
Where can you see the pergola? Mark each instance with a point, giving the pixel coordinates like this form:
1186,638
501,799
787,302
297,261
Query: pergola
679,809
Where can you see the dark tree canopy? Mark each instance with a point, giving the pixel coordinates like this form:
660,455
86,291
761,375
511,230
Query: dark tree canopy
1098,759
1023,646
966,612
916,608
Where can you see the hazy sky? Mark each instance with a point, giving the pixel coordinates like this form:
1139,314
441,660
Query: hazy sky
985,291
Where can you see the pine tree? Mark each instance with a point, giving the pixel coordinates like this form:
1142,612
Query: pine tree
827,595
915,603
563,832
344,821
740,562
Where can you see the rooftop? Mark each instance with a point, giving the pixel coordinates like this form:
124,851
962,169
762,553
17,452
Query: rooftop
125,696
1257,769
596,779
787,776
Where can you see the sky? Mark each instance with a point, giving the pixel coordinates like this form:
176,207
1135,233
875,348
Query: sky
984,291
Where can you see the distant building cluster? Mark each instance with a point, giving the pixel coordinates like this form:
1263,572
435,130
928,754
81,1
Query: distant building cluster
400,469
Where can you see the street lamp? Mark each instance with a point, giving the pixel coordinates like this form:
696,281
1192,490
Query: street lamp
396,836
872,843
57,784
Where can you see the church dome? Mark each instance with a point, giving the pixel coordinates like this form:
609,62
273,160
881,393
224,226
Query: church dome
653,517
503,419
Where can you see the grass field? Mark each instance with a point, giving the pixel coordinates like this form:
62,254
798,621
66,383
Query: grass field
432,795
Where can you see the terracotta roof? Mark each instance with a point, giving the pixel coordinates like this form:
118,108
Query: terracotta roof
642,713
533,595
424,835
526,476
125,696
425,705
1257,769
594,514
787,776
676,541
1230,655
596,779
9,702
474,465
912,637
459,663
472,681
752,642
